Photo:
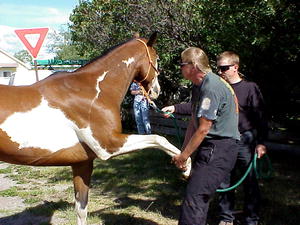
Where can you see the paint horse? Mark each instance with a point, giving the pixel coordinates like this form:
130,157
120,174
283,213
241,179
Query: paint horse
70,119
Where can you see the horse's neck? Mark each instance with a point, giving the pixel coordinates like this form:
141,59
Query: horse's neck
117,69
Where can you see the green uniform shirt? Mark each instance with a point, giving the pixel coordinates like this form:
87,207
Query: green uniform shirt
215,100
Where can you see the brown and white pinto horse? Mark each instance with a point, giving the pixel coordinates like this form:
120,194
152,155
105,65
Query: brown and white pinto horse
70,119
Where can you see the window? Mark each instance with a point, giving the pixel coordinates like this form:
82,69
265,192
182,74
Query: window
6,74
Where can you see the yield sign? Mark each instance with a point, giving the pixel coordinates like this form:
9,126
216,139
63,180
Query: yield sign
42,34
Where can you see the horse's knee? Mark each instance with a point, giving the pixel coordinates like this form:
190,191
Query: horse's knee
161,140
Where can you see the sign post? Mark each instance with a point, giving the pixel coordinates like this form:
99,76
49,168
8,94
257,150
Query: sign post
33,50
36,70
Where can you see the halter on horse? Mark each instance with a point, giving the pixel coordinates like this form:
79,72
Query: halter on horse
70,119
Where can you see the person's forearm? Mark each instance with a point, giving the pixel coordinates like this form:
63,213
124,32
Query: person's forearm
183,108
196,139
136,92
193,144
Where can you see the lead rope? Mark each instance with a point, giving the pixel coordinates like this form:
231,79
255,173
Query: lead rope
178,130
156,109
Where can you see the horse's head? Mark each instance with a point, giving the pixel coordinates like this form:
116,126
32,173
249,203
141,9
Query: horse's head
148,73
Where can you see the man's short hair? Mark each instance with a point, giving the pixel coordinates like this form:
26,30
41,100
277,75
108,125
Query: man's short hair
232,56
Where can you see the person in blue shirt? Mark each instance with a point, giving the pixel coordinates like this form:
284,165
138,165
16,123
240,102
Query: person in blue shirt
141,109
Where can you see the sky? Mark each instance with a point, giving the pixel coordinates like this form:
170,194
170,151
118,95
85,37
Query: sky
22,14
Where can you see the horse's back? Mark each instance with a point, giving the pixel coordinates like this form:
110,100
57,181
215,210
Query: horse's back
17,99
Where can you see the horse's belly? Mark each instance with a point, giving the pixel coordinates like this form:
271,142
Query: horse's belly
43,127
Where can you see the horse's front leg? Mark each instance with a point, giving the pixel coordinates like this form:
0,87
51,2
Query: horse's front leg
137,142
81,178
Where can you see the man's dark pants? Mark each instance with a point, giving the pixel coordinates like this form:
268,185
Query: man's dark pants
251,189
213,162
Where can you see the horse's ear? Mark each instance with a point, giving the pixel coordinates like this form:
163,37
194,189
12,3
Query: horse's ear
152,39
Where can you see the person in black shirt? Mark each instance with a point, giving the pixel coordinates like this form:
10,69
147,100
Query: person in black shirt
253,129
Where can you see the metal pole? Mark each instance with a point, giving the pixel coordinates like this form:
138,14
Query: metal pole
36,71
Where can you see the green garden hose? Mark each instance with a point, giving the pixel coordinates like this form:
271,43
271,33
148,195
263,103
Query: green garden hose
258,168
178,131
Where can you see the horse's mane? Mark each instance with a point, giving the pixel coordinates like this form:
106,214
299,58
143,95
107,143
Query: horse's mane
54,75
104,53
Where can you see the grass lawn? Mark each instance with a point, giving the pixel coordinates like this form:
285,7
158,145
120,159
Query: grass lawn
142,188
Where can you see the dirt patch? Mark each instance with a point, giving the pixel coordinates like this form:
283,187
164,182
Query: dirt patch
9,203
6,183
14,211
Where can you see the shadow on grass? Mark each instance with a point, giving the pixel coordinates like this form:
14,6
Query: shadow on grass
148,174
280,196
38,215
129,218
164,205
112,219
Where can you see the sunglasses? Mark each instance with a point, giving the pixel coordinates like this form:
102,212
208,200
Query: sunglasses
225,67
182,64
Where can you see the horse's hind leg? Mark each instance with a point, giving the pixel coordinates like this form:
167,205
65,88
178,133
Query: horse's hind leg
81,178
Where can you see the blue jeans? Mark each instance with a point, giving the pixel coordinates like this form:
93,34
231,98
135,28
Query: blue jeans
251,189
141,114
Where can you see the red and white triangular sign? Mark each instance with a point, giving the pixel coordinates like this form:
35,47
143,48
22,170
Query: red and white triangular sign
33,50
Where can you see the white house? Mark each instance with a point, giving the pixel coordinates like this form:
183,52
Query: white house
15,72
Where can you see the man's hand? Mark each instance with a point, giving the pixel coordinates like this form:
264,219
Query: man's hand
180,161
137,92
260,150
168,110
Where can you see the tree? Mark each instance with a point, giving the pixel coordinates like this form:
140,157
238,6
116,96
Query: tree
24,56
264,33
62,45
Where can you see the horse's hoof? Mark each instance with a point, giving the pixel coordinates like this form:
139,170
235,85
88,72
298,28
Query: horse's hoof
187,172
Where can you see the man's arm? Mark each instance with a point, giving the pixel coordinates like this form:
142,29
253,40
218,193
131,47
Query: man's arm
193,144
260,120
182,108
136,92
